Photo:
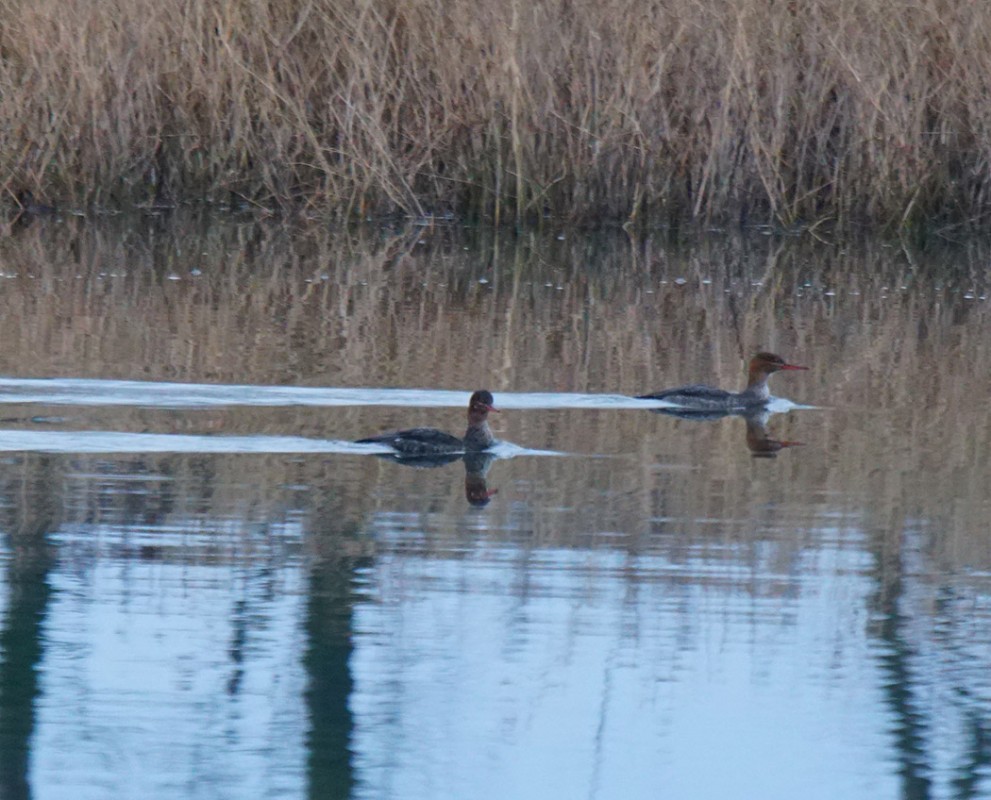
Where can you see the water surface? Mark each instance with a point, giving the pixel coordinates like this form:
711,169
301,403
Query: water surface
210,591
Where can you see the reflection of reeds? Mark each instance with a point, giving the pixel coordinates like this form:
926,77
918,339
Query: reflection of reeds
844,109
902,372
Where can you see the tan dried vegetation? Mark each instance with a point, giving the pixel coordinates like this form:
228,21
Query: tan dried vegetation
767,110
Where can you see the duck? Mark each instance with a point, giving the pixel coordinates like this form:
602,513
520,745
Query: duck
704,399
431,442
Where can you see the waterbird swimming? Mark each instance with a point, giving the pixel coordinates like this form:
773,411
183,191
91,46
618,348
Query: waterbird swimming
704,399
430,442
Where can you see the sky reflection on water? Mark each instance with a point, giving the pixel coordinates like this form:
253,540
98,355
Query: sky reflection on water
610,673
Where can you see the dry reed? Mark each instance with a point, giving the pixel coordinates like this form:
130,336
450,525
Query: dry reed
768,110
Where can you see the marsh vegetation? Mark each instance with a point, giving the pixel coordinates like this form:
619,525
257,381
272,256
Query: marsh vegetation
839,111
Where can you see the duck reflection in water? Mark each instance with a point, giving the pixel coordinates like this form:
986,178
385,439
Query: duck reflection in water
759,441
477,491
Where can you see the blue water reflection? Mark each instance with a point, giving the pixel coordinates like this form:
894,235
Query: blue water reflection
160,678
522,673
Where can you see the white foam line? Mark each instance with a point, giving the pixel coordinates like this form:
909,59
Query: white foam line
79,391
119,442
95,392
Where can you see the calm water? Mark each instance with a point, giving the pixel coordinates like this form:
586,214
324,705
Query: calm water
209,592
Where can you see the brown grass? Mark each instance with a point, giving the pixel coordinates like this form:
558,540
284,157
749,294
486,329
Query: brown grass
766,110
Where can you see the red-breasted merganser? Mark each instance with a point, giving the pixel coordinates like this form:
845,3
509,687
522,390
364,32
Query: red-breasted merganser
706,398
427,442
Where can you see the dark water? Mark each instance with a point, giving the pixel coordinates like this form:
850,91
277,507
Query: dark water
209,592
